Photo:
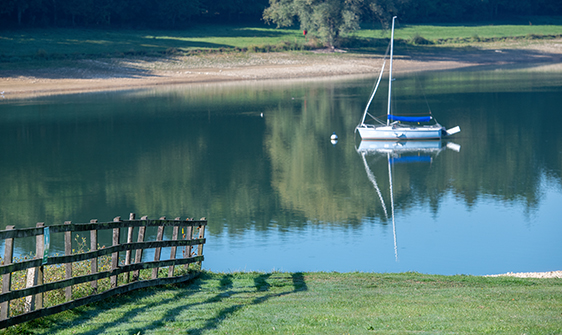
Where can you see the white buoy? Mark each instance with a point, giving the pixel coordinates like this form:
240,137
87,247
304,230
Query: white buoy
334,137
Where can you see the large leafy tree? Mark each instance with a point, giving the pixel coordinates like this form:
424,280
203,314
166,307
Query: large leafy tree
325,19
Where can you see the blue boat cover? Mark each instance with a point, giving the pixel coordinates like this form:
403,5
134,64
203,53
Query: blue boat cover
409,118
410,159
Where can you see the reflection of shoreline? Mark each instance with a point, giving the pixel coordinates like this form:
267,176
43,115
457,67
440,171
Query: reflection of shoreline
119,74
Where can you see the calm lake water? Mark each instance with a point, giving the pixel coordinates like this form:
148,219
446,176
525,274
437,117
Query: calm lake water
256,160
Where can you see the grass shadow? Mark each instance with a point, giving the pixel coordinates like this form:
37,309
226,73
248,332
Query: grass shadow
261,284
195,308
482,59
476,58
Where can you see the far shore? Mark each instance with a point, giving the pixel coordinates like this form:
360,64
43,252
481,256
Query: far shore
104,74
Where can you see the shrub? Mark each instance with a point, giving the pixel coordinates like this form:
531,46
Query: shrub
41,54
419,40
171,51
534,36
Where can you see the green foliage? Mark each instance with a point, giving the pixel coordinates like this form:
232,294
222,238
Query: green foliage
325,19
180,14
417,39
132,13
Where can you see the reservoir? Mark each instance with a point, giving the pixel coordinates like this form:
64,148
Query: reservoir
255,159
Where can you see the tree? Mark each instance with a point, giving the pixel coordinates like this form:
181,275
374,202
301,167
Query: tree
19,7
382,11
172,12
325,19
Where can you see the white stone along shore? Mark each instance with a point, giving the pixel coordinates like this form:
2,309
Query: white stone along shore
550,274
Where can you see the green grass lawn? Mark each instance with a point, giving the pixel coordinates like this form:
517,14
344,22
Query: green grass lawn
322,303
33,44
460,31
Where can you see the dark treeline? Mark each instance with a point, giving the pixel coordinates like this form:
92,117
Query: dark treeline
127,13
183,13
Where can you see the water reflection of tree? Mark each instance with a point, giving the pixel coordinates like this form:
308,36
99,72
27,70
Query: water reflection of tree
288,173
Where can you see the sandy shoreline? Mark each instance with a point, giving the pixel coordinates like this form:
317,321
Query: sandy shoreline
115,74
128,73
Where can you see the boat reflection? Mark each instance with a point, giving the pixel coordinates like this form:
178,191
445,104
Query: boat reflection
404,146
399,152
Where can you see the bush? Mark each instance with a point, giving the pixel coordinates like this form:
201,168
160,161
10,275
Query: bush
172,51
534,36
41,54
419,40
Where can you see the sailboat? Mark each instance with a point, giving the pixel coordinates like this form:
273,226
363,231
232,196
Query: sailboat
400,127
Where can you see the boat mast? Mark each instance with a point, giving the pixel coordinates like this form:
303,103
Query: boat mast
390,71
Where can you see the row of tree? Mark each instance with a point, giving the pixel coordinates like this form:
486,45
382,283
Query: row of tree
127,13
181,13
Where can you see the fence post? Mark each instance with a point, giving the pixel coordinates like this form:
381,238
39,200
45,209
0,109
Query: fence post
115,255
158,250
35,275
187,250
138,253
68,266
128,252
173,249
94,262
201,236
7,278
40,249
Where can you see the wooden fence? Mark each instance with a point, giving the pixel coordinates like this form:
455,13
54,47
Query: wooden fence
118,258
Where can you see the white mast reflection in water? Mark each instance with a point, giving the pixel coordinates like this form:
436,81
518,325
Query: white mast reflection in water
390,149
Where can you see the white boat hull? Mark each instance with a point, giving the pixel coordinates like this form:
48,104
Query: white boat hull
368,132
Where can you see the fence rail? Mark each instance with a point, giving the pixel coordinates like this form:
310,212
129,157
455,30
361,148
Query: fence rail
144,273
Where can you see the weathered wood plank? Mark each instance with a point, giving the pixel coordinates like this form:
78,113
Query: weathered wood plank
11,295
39,250
129,252
187,250
78,227
200,247
36,287
173,249
68,265
97,253
94,298
138,254
158,251
94,261
115,255
36,301
7,278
